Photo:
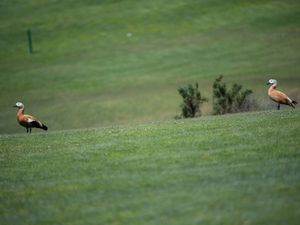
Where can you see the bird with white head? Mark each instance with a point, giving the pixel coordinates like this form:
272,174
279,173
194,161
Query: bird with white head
278,96
28,121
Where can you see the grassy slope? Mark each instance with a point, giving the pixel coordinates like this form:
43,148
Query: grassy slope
86,72
234,169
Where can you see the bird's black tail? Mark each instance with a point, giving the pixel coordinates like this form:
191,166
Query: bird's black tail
44,127
293,103
38,124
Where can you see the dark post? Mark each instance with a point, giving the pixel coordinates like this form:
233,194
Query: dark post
29,41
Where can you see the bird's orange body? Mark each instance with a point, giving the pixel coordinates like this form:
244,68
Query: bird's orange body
25,120
278,96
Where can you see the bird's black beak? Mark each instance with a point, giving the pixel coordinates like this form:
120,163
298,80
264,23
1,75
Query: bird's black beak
268,83
15,106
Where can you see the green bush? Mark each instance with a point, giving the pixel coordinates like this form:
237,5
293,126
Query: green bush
230,101
192,101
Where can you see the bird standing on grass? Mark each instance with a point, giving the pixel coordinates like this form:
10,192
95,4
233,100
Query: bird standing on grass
28,121
278,96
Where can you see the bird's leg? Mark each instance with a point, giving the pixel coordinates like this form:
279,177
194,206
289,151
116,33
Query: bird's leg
26,130
278,107
30,130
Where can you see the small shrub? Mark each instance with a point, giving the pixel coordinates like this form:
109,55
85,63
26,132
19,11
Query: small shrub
192,101
230,101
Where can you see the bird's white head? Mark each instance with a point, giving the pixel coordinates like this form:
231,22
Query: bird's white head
272,81
19,105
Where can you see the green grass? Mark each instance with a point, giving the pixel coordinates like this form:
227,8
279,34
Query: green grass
86,72
123,168
233,169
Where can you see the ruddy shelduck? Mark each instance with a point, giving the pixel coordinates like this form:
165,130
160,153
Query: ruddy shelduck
28,121
278,96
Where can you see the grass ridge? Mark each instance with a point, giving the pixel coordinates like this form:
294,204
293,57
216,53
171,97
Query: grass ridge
232,169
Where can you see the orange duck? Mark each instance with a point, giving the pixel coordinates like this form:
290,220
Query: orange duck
28,121
278,96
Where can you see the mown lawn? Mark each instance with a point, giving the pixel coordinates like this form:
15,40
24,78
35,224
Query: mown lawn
233,169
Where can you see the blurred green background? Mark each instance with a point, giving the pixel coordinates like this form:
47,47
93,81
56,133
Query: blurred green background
100,63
